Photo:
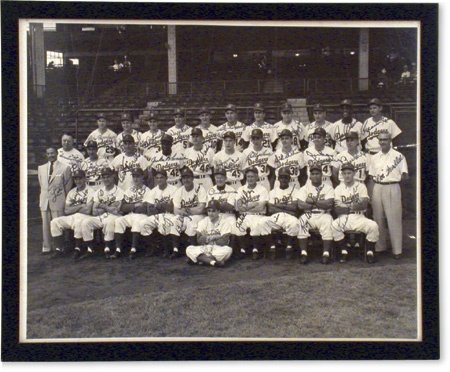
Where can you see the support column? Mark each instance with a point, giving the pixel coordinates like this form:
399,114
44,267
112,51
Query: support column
38,58
363,59
172,58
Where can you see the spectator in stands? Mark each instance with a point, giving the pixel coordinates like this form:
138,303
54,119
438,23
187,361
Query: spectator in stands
127,64
209,130
127,125
68,154
104,137
405,76
383,79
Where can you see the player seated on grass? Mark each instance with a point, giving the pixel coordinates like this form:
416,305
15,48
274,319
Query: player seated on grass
106,209
251,204
316,199
213,236
134,209
282,209
350,204
78,206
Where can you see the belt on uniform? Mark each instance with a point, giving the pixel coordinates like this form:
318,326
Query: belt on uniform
319,212
93,183
360,213
386,183
201,176
373,152
233,182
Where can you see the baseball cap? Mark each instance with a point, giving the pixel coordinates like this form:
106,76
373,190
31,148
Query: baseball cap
79,173
257,133
161,171
91,144
229,134
151,116
137,171
375,101
178,111
252,169
320,131
221,171
101,115
128,138
230,107
347,102
348,166
284,172
286,107
203,110
213,204
197,132
258,107
315,167
352,134
125,116
319,107
187,172
285,132
107,171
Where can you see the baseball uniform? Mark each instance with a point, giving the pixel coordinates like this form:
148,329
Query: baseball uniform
92,169
238,129
339,130
283,220
233,164
137,140
181,137
123,164
372,129
72,158
228,195
106,143
269,134
293,160
170,163
323,158
360,161
259,160
310,128
297,129
151,141
200,162
209,136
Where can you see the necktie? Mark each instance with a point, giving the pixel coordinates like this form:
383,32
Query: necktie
50,172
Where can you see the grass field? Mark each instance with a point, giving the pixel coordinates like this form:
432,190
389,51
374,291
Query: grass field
155,298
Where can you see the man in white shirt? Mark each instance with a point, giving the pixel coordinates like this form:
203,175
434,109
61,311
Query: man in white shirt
104,137
288,123
69,155
232,125
345,125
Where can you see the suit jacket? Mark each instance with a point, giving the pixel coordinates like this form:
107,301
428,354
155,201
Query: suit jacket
54,190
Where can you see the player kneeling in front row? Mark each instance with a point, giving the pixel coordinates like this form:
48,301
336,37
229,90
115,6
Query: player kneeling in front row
316,198
351,199
213,235
78,206
134,208
282,208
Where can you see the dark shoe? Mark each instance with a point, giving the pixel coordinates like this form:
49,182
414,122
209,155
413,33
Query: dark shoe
174,255
132,256
370,258
107,254
255,255
303,259
289,254
397,256
76,254
326,260
88,254
271,254
56,254
115,256
219,264
344,258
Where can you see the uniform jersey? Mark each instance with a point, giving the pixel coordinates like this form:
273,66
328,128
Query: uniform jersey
136,194
297,129
372,129
232,163
323,158
208,228
360,161
79,197
286,196
238,129
310,128
151,141
345,195
106,143
322,192
189,199
209,136
137,140
388,167
200,162
269,134
72,158
258,159
170,163
124,164
158,197
108,197
228,194
180,137
93,168
246,195
293,159
338,131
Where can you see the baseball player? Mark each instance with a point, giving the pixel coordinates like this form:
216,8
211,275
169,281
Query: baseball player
160,212
269,134
189,207
104,137
320,114
134,210
354,156
289,157
316,199
350,204
320,155
375,125
106,209
209,130
55,181
258,156
251,204
151,140
93,165
126,161
282,209
347,124
294,126
69,155
167,159
230,160
78,206
213,236
388,168
180,132
199,158
232,125
127,124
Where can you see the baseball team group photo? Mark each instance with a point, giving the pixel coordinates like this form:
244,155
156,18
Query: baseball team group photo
220,182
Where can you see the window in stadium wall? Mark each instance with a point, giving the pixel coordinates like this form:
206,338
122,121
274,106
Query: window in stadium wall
55,59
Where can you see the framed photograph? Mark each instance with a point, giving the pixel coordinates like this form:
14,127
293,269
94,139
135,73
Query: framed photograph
69,66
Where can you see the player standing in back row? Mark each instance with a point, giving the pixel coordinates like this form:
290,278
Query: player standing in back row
104,137
320,113
269,134
232,125
180,132
209,130
294,126
345,125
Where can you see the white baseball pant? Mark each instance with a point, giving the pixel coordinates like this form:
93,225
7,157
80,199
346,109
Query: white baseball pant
220,253
186,224
72,222
130,220
258,225
163,222
106,222
320,221
285,221
357,222
205,182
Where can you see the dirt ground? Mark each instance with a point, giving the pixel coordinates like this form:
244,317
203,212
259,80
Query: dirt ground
64,281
